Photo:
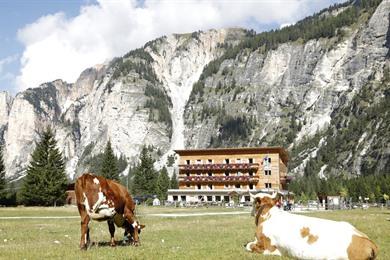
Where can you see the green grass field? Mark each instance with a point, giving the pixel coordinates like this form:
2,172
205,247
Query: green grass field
200,237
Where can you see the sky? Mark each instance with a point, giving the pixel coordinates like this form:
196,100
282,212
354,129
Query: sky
45,40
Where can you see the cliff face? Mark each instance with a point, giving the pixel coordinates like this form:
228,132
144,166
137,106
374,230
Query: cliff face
163,95
123,101
286,95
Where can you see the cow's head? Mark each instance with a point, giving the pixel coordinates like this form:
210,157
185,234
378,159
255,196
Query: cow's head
262,202
134,230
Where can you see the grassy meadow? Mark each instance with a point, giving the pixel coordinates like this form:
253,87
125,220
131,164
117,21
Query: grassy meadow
194,237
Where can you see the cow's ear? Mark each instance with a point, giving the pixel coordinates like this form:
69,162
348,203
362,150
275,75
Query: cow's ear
142,226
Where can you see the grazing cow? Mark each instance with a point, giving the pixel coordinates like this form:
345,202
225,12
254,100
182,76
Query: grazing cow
105,200
282,233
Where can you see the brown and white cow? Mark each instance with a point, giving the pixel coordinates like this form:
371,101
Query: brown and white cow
102,199
282,233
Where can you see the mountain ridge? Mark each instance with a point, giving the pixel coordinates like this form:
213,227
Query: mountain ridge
218,88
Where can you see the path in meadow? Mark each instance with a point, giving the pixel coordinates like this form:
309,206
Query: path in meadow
164,215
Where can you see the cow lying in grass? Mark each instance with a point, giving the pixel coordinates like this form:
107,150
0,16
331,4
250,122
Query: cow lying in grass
282,233
105,200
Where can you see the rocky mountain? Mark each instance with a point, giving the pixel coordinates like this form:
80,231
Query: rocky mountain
319,88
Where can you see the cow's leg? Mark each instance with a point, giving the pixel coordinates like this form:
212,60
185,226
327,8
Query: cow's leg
111,227
84,240
262,245
254,246
129,216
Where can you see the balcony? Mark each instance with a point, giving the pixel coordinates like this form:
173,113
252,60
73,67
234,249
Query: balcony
219,166
219,179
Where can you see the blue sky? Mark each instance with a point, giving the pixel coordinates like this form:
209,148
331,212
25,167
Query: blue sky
15,14
42,40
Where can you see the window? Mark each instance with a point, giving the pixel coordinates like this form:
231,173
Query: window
250,160
199,161
188,186
209,198
226,186
226,174
250,173
269,159
175,198
200,198
267,172
226,198
227,161
210,160
217,198
198,174
188,174
210,174
247,198
210,186
238,186
199,187
183,198
238,160
188,162
268,185
251,186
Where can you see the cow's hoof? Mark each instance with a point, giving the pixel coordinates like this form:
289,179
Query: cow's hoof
84,248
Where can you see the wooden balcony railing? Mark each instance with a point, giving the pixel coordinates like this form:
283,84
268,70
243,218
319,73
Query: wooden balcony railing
218,179
218,166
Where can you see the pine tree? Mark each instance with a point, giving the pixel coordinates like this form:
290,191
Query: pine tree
45,182
109,168
163,183
145,177
2,178
174,183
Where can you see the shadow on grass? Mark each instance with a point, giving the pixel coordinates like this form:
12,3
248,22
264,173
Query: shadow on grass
119,243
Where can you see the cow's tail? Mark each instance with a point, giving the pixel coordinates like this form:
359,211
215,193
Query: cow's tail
79,187
374,251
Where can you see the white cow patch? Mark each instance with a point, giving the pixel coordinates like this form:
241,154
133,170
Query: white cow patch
100,210
96,181
275,252
99,201
248,246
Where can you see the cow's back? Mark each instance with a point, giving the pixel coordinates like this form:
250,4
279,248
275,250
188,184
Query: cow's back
121,192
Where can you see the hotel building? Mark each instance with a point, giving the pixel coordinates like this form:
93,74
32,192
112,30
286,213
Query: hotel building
218,175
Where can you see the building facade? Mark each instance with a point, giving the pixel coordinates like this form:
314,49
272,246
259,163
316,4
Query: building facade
229,174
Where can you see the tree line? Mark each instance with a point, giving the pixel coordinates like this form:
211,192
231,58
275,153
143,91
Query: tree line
46,181
374,187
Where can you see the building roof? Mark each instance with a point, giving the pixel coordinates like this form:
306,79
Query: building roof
243,150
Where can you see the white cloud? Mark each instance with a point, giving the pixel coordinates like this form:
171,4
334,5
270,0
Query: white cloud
57,46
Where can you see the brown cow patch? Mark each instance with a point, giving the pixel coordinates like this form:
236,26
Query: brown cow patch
361,248
305,232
